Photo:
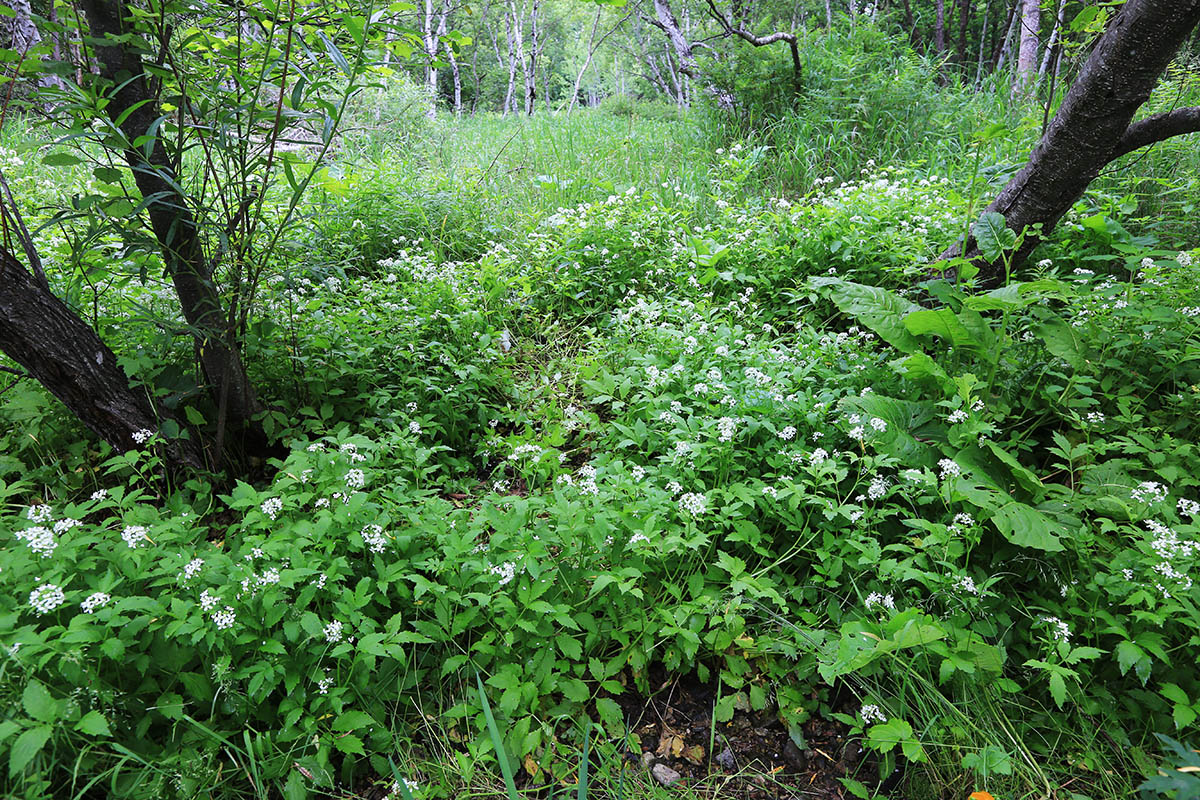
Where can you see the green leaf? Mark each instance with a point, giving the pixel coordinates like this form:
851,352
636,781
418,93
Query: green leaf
880,310
574,690
611,715
60,159
38,703
194,417
886,735
1183,716
1025,526
349,743
26,747
571,648
1064,341
993,235
723,710
1058,688
353,721
990,760
942,323
93,723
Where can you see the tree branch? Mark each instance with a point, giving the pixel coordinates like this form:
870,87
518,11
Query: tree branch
760,41
1158,127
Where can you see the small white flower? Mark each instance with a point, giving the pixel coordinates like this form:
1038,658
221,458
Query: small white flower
949,468
638,537
414,428
64,525
506,572
967,584
788,433
769,491
374,539
1058,629
208,600
957,416
39,539
1149,492
693,504
1188,508
272,506
99,494
726,426
872,713
191,569
638,472
355,479
879,424
877,489
134,535
46,598
142,436
324,683
39,513
94,601
818,456
333,631
223,620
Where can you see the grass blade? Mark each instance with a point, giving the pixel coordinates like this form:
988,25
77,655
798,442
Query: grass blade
583,765
505,769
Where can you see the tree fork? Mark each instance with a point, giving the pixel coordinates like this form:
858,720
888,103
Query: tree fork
1092,127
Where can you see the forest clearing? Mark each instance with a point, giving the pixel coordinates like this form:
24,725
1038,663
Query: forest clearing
599,399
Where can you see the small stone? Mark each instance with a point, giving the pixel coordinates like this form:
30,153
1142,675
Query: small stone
647,760
665,775
725,759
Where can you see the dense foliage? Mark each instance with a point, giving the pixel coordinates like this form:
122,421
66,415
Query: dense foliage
565,400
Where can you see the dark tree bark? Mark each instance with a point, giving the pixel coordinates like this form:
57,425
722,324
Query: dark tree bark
1092,128
939,28
134,108
60,351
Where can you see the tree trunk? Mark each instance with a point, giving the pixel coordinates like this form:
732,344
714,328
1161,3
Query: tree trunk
135,110
60,351
964,21
1092,127
1027,51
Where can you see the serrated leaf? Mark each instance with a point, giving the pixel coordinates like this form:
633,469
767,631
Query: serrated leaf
350,744
611,716
38,702
570,647
574,690
1058,689
353,721
93,723
723,710
886,735
26,747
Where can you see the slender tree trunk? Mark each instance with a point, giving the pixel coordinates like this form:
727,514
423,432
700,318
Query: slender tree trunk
939,28
1092,127
1027,52
133,108
983,29
60,351
964,21
1000,53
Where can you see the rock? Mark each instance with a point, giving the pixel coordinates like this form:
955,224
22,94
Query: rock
647,760
665,775
725,760
794,756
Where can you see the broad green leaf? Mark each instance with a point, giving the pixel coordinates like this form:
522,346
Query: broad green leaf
993,235
942,323
93,723
353,721
38,703
349,743
886,735
1064,341
1025,526
61,159
574,690
1058,688
611,715
880,310
1028,481
26,747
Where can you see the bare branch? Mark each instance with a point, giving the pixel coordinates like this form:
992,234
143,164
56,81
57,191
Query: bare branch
1158,127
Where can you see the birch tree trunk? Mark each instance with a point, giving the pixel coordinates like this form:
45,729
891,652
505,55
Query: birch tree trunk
1027,52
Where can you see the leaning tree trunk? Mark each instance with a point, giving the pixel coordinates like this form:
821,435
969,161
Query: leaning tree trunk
135,110
1092,128
60,351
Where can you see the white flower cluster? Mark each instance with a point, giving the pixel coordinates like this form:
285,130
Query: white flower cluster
505,572
374,539
142,436
355,479
191,569
531,451
134,535
877,599
967,584
788,433
1149,492
223,620
693,504
46,598
1058,629
40,540
949,468
39,513
208,600
333,631
272,506
726,427
872,713
94,601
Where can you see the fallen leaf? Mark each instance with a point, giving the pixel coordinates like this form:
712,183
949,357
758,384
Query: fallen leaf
980,796
532,767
